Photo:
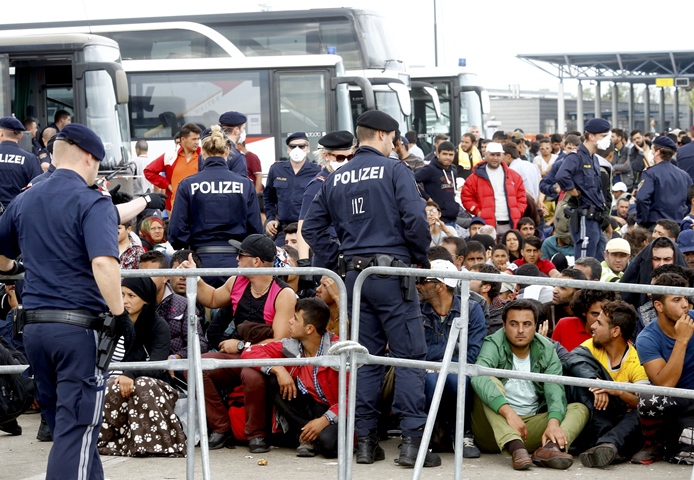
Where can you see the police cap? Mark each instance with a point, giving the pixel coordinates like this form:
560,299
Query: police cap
404,140
296,136
257,245
597,125
84,138
377,121
665,142
232,119
339,140
11,123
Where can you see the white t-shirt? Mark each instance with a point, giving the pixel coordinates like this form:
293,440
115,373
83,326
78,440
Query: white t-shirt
521,394
497,178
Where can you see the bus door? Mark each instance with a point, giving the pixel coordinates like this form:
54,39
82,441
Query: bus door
5,106
427,119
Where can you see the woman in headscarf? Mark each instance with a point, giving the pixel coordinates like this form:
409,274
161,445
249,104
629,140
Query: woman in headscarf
153,236
514,242
139,418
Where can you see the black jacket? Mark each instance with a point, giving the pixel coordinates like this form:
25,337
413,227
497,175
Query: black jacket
152,342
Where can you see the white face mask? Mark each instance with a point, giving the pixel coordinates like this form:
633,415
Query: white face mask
604,143
335,165
297,155
242,137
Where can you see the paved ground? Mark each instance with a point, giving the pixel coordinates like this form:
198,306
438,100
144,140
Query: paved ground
24,458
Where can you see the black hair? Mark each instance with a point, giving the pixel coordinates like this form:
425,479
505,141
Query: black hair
619,132
291,228
623,315
179,256
189,128
486,240
662,242
532,241
573,274
500,246
460,245
488,268
556,138
667,280
593,264
445,146
499,135
572,140
672,228
314,312
475,246
587,297
60,115
511,149
411,137
155,256
520,304
525,220
439,253
292,252
545,140
669,268
634,132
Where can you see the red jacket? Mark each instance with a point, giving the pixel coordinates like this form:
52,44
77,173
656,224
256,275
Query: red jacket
165,163
478,195
289,348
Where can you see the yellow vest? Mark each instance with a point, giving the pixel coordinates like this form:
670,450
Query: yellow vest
464,157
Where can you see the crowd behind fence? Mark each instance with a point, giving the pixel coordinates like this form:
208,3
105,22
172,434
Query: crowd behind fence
346,355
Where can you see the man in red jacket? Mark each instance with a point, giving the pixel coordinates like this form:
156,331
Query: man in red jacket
494,192
306,396
176,165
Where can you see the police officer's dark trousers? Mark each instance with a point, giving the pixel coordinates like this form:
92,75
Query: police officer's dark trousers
218,260
588,239
70,390
387,319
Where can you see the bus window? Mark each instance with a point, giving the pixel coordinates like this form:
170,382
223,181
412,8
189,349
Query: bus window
102,117
161,103
303,105
162,44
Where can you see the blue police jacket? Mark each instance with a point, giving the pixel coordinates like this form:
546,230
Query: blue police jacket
548,181
17,168
685,159
59,226
44,176
581,170
662,193
214,206
437,331
36,147
284,190
236,161
374,204
310,193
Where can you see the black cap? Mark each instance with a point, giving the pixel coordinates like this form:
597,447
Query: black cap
11,123
257,245
528,270
378,121
296,136
339,140
597,125
665,142
232,119
84,138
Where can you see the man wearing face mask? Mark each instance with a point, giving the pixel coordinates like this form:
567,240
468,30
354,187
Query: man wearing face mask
334,151
662,192
286,183
374,205
234,126
579,176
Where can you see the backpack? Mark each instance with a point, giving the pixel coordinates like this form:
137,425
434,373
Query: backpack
237,413
16,391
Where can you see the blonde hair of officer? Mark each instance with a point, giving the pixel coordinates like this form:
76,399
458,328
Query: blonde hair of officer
326,158
216,144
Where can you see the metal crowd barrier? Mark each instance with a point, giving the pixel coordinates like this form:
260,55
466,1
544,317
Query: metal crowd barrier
459,329
338,357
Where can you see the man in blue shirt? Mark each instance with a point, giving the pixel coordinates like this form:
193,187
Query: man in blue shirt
374,204
285,186
667,354
66,231
438,180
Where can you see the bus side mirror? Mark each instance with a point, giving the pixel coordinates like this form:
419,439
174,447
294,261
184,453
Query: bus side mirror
121,84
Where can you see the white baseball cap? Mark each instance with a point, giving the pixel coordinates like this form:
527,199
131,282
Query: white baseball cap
446,266
619,186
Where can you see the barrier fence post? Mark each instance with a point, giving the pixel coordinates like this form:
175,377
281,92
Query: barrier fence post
191,293
199,386
463,323
343,454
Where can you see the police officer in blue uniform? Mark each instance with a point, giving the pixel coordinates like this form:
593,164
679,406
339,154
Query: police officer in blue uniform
66,232
662,192
334,150
285,186
374,204
17,166
214,206
234,126
579,176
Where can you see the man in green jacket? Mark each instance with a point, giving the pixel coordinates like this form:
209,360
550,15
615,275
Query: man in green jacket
519,415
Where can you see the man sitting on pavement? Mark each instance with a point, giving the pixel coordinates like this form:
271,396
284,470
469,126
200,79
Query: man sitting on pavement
614,431
506,414
307,396
440,307
667,354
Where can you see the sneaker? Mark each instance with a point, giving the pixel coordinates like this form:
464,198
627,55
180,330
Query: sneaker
648,454
470,450
306,449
